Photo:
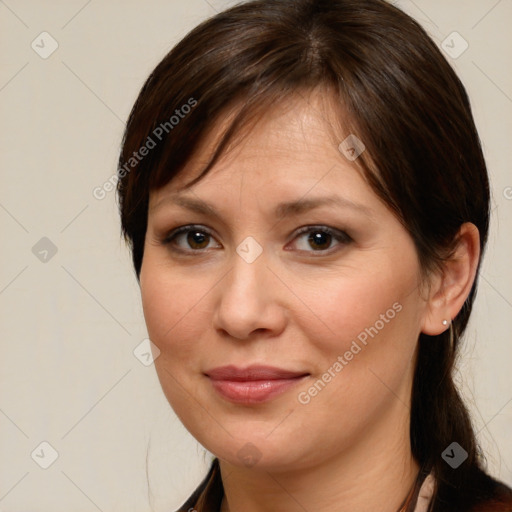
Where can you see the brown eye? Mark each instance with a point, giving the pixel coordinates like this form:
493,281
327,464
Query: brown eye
321,239
189,239
196,239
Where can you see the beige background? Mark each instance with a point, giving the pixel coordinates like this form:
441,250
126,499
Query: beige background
70,324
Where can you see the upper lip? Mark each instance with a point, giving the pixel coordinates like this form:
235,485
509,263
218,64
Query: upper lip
253,372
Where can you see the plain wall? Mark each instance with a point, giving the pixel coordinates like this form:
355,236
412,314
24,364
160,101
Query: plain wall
70,322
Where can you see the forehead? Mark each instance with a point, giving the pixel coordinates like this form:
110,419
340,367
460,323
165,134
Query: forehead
299,134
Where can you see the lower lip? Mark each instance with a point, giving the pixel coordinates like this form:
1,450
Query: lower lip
253,392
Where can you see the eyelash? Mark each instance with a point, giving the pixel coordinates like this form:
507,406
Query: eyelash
337,235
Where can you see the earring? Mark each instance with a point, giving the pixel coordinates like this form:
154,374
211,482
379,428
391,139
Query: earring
445,322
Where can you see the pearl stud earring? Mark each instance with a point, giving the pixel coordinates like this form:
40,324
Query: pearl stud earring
445,322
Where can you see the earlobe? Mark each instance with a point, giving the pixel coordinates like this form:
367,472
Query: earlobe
451,287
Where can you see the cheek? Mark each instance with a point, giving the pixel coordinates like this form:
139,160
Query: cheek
378,303
373,327
178,312
174,319
367,355
170,302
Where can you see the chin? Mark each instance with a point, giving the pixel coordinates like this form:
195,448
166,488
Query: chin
257,453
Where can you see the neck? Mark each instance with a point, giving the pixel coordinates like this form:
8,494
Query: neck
376,473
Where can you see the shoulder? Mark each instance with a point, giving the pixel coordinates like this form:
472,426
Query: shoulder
475,491
492,495
501,501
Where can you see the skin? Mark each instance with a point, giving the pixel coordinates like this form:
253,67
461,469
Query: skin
298,306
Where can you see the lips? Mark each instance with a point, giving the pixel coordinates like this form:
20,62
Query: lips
253,384
252,373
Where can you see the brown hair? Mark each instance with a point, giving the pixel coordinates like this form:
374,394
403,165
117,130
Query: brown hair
400,96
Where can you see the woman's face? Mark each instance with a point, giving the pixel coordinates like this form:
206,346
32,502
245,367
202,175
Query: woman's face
338,305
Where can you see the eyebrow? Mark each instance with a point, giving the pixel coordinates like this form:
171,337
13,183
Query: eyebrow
284,209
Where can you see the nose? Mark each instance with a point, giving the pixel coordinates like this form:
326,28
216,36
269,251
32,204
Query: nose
250,301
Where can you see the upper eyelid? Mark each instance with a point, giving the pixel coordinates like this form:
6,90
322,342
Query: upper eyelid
298,231
185,229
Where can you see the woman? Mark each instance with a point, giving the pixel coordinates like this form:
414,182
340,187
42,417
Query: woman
303,189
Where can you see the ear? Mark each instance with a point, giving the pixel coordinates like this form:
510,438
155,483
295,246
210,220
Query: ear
450,287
